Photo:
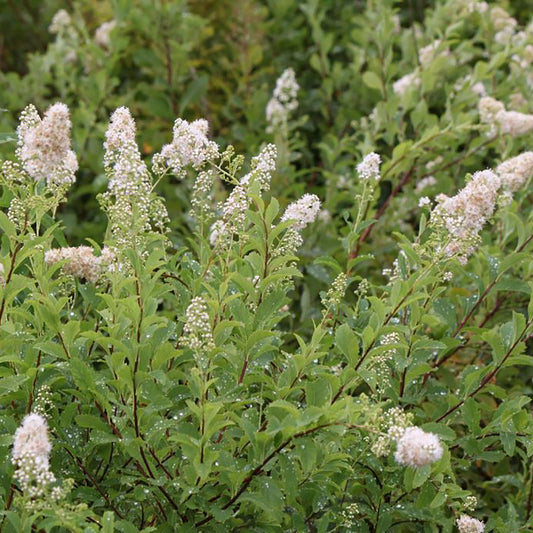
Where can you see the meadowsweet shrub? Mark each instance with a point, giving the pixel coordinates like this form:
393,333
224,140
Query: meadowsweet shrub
325,327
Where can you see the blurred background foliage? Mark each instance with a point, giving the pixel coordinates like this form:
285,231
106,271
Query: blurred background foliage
219,59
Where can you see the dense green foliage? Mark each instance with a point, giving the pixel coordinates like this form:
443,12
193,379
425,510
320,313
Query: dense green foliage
250,378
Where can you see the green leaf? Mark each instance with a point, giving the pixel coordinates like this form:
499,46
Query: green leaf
7,137
371,79
508,440
108,521
91,422
318,392
348,343
472,415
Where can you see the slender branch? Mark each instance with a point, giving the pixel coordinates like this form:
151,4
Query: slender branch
366,233
529,497
476,306
457,160
8,504
259,469
17,249
243,371
490,375
34,384
168,66
94,483
387,320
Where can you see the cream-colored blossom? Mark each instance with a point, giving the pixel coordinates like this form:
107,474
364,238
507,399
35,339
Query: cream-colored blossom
284,100
30,455
467,524
464,215
368,168
417,448
302,212
44,146
513,123
102,35
515,172
190,146
81,262
406,83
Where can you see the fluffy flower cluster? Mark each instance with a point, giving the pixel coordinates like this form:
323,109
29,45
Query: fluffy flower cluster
504,24
61,22
470,503
234,209
190,146
31,451
515,172
44,147
513,123
262,167
233,216
335,293
43,400
122,159
473,6
428,53
468,83
467,524
289,244
67,38
202,193
302,212
380,363
390,338
102,35
464,215
417,448
368,168
283,101
81,261
198,335
524,60
393,423
405,83
128,201
424,183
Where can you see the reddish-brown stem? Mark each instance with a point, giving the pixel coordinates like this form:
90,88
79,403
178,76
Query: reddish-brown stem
469,315
168,65
381,211
404,373
95,484
17,249
458,159
34,384
475,307
490,375
259,469
8,278
243,371
8,504
107,420
386,321
529,497
492,312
